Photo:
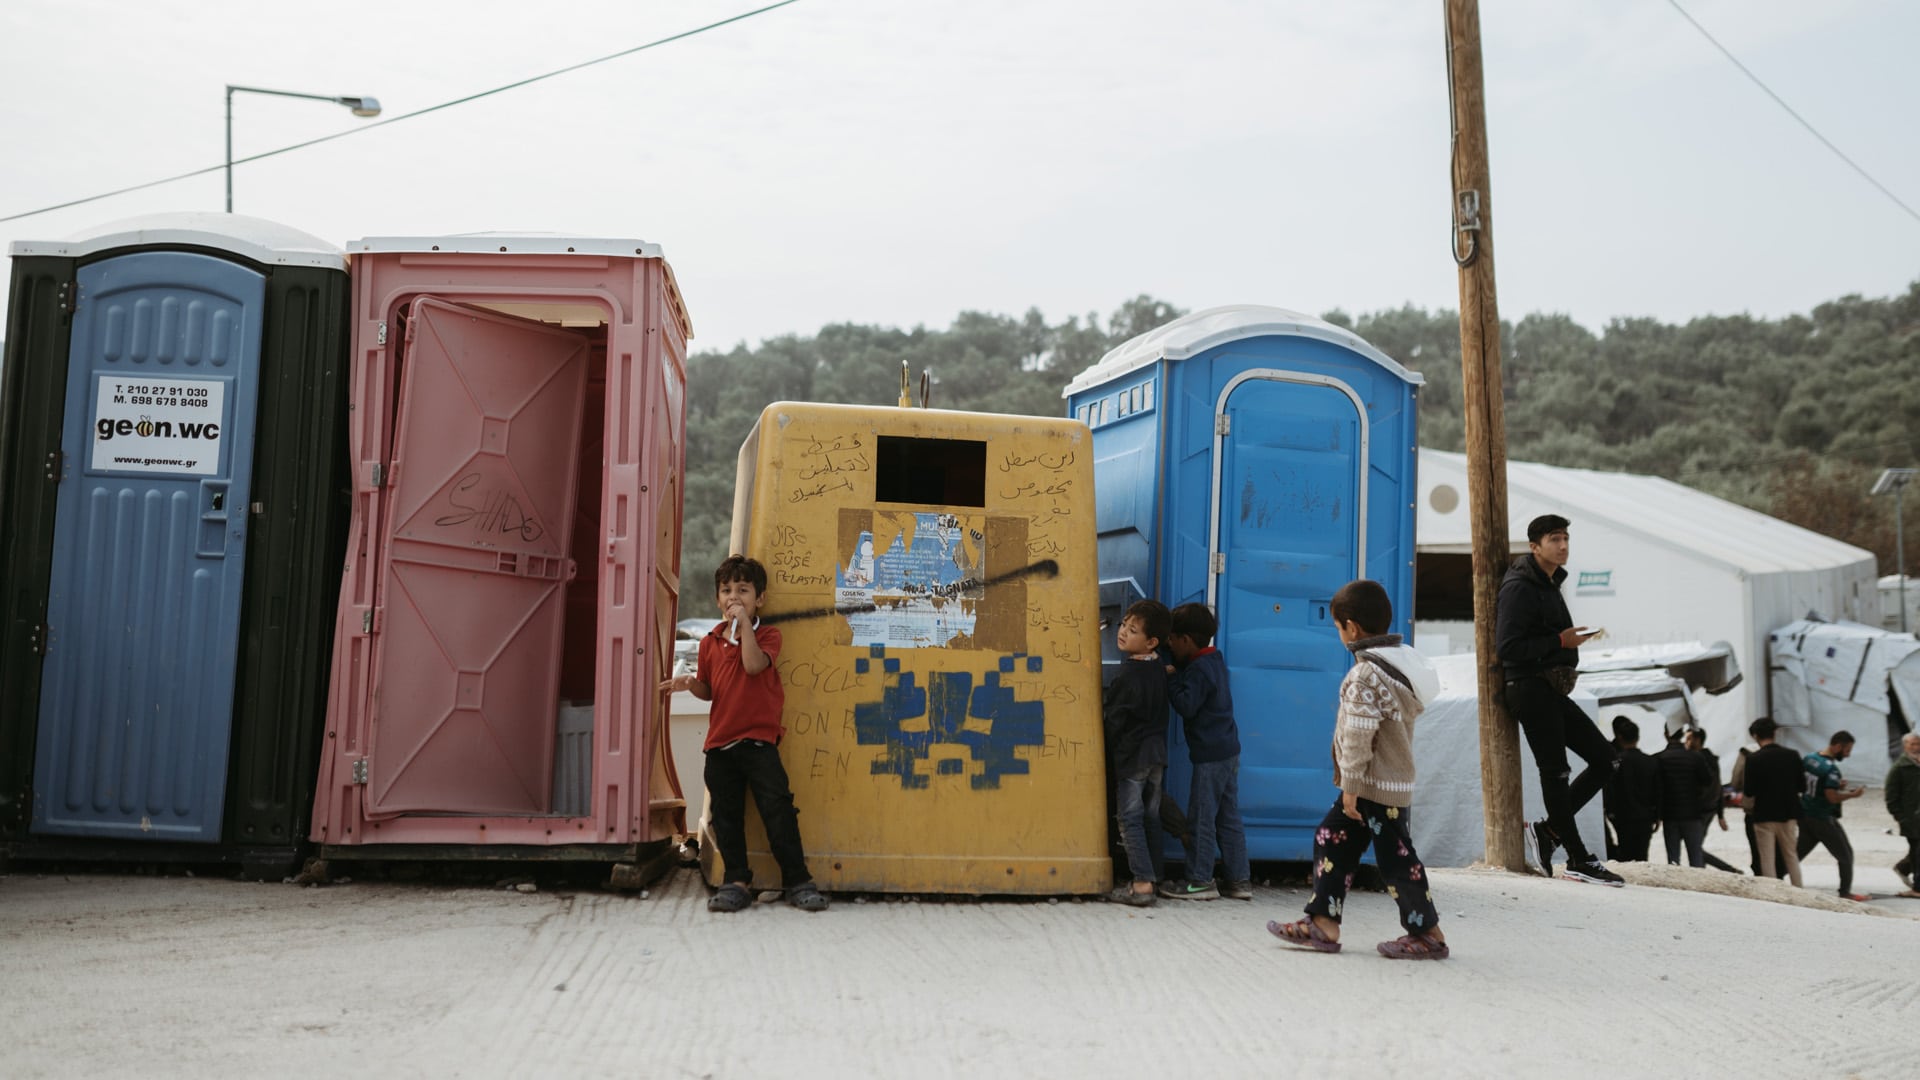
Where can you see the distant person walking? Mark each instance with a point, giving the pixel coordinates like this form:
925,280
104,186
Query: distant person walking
1820,808
1632,796
1539,649
1770,792
1713,796
1739,783
1903,803
1685,777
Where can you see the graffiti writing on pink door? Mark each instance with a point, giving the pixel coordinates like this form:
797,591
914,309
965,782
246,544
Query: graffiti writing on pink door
488,510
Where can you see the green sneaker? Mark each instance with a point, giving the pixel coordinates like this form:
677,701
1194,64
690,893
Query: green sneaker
1189,890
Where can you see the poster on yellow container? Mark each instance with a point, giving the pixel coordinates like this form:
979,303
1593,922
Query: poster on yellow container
919,586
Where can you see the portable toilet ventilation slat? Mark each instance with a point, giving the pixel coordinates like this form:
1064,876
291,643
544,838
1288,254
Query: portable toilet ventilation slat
1256,459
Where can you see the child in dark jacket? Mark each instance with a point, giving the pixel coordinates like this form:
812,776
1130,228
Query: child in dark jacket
1134,711
1199,692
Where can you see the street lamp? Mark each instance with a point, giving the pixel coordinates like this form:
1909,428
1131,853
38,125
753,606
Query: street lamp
361,106
1896,480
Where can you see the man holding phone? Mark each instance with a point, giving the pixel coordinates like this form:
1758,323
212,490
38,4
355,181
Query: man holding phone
1820,808
1539,649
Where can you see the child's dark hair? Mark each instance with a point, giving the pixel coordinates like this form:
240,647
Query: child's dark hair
1155,619
1365,603
1195,622
741,568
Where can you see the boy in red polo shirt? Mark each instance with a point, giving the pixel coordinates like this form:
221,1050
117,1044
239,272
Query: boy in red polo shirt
736,673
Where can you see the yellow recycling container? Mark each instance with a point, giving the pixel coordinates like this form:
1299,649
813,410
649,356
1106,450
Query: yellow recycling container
934,578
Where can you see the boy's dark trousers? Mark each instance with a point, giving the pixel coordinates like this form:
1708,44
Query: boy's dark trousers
1337,846
732,771
1137,812
1554,725
1635,835
1693,831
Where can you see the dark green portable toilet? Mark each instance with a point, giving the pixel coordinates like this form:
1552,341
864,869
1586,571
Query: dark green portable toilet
173,511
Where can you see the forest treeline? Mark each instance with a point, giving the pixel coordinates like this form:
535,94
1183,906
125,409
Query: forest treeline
1794,417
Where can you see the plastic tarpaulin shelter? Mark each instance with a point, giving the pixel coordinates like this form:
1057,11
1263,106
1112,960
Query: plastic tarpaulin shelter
1827,677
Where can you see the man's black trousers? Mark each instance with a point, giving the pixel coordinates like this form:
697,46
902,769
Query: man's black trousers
1555,725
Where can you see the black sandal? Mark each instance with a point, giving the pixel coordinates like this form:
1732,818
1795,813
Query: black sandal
732,896
807,897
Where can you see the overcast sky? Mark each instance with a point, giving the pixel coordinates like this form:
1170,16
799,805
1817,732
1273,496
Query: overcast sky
899,162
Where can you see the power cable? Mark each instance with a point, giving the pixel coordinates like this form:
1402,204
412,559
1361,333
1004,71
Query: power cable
1824,141
359,128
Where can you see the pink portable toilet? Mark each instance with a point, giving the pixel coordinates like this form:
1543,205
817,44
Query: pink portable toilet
517,443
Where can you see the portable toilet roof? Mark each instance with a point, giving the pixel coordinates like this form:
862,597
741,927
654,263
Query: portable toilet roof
1191,335
266,242
535,243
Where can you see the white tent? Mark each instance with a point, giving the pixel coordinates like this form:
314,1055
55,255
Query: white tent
1892,589
1830,677
1653,561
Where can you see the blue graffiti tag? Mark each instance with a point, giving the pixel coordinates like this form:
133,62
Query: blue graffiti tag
948,701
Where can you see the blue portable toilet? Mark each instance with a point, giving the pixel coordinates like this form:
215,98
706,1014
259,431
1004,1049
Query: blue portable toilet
1256,459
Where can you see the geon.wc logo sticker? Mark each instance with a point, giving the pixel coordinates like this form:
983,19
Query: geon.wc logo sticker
149,425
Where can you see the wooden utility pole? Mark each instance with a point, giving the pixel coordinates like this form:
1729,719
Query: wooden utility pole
1486,424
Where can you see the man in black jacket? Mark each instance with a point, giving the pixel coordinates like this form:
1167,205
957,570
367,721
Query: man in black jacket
1686,779
1632,796
1770,792
1540,651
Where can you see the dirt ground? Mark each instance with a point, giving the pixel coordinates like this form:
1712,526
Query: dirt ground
168,975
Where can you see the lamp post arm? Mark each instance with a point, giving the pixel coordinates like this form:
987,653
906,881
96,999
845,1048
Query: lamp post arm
281,93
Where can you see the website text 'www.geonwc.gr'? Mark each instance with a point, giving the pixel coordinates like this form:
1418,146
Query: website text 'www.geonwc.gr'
153,461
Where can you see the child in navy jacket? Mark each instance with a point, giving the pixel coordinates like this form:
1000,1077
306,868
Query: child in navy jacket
1199,692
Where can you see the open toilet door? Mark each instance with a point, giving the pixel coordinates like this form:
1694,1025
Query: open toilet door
472,601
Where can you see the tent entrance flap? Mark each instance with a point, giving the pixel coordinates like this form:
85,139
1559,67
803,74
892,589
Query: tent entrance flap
473,593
